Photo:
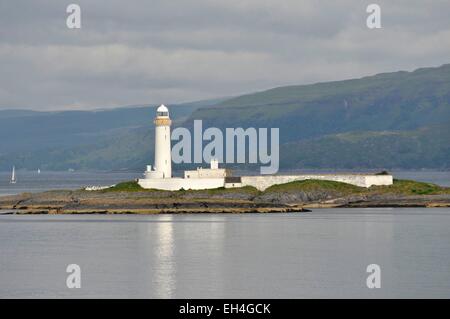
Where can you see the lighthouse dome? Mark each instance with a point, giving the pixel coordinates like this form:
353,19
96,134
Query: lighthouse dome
162,110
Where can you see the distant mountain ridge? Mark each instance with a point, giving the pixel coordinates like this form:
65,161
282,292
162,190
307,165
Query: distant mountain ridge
389,120
31,130
389,101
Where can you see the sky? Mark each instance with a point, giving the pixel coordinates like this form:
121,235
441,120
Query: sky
138,52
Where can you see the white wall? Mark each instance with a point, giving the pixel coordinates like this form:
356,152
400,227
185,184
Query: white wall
163,159
263,182
173,184
379,180
205,173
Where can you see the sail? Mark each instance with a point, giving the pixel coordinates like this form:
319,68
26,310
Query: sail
13,175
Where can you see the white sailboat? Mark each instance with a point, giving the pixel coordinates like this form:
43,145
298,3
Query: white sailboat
13,176
39,171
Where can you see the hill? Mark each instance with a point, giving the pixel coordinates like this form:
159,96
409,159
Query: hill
384,102
390,120
81,139
426,147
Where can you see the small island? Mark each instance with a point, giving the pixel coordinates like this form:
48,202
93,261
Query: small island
293,197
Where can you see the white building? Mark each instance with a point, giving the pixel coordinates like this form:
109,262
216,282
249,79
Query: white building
163,157
213,172
160,175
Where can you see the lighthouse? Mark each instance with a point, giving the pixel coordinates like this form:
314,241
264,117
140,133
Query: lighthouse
160,175
163,159
162,167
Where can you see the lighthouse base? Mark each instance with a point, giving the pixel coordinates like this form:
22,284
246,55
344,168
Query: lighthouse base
174,184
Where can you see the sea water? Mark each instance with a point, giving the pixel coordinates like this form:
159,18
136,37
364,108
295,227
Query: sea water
320,254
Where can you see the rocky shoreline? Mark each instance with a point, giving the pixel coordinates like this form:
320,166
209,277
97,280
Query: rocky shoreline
83,202
292,198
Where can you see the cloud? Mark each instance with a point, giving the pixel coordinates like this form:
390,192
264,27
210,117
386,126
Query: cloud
141,52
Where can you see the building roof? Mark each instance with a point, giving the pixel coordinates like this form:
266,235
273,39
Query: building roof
162,108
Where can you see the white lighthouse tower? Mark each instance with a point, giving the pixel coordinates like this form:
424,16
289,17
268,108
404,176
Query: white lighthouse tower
160,175
163,159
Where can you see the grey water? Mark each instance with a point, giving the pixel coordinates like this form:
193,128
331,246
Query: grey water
322,254
31,181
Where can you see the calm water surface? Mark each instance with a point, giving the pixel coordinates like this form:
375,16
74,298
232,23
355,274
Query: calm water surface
320,254
34,182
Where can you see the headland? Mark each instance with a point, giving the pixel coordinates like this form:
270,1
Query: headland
297,196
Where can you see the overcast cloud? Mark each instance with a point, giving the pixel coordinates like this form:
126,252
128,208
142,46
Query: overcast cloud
151,51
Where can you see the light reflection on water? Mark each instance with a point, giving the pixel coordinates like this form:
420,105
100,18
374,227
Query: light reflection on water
164,254
320,254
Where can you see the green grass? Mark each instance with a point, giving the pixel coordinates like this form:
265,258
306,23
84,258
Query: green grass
316,185
130,186
408,187
404,187
222,190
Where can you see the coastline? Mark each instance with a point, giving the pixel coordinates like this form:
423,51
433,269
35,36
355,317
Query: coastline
294,197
